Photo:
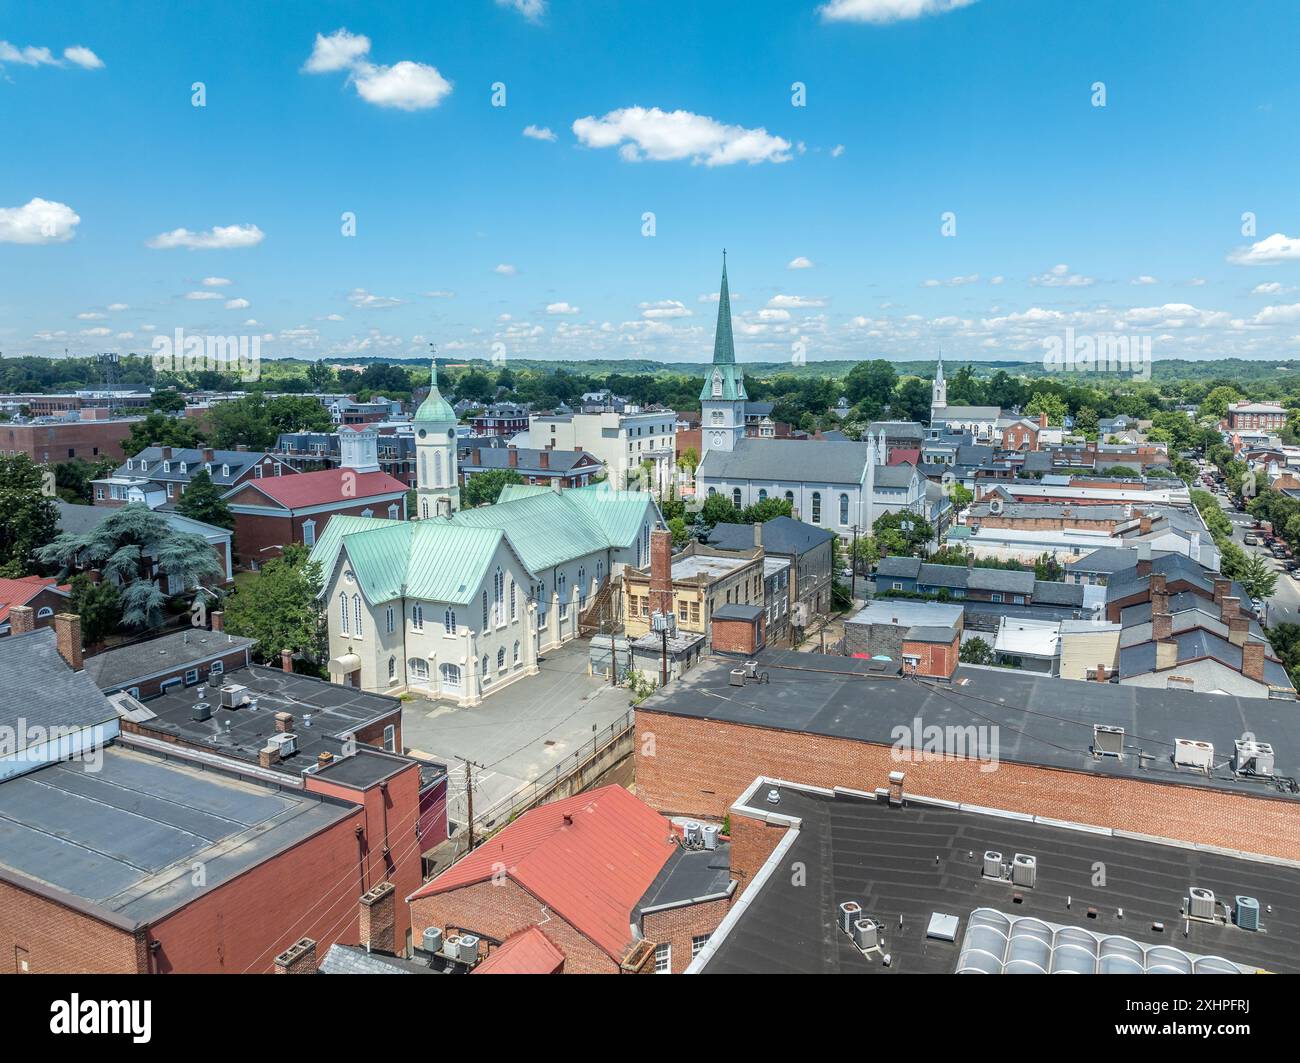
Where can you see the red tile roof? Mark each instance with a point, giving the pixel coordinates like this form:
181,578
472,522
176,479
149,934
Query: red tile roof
21,591
328,485
589,858
528,952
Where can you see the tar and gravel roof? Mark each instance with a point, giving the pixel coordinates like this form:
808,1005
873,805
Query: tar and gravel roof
122,667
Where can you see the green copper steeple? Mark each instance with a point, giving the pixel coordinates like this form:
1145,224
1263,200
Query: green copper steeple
724,347
435,408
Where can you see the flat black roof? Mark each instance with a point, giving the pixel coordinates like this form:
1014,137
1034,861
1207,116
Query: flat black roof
918,859
1040,719
689,875
126,837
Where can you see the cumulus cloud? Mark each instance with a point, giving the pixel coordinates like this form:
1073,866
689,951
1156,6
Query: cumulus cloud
442,293
1061,277
532,10
561,308
642,133
1143,280
1266,252
39,221
880,12
406,85
197,297
218,238
799,263
795,302
1278,315
539,132
837,151
1270,288
363,300
664,308
31,55
115,307
505,269
237,304
83,57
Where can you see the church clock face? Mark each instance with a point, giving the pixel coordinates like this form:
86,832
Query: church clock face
717,439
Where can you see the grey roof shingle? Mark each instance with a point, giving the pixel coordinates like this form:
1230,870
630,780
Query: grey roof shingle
828,461
781,535
39,688
118,668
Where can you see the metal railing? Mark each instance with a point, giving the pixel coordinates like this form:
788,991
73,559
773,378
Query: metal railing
526,796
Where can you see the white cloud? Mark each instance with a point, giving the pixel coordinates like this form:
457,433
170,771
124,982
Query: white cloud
251,322
795,302
539,132
773,315
1196,282
334,317
649,133
442,293
1270,288
90,315
216,282
407,85
664,308
799,263
101,331
237,304
116,307
363,300
339,51
219,237
83,57
997,280
39,221
1275,315
505,269
561,308
201,296
837,151
532,10
27,56
1143,280
881,12
1275,248
1061,277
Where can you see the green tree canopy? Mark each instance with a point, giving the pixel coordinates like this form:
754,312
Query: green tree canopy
202,501
279,609
28,516
484,488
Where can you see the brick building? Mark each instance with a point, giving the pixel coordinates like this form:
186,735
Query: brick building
51,442
30,602
1256,416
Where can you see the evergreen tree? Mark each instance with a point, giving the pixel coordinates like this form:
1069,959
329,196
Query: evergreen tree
202,501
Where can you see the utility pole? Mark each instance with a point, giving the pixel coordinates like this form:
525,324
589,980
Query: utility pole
470,765
853,567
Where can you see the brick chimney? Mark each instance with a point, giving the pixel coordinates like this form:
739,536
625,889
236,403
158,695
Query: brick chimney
661,571
268,756
758,533
218,621
167,453
1252,661
378,918
22,619
1157,584
1144,560
1144,525
286,661
1103,675
544,459
299,958
67,636
1166,654
1228,608
513,458
1222,588
1159,603
1162,625
284,722
477,457
1239,630
1042,420
209,454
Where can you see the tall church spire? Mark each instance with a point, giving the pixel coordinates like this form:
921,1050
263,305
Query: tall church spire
724,347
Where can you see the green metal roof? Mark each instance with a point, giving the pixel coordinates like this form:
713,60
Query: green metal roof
724,351
435,408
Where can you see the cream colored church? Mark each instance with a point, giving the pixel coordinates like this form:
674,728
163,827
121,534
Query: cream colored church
459,603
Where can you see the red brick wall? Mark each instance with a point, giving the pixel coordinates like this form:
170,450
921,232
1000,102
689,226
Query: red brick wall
257,536
502,908
89,440
738,636
60,940
676,927
46,599
936,659
700,767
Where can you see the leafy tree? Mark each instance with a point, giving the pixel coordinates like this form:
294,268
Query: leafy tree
138,549
718,510
167,400
1217,401
872,382
1086,421
1052,405
280,608
292,413
158,428
976,651
99,605
72,478
475,387
1258,577
911,400
903,533
320,377
202,501
484,488
28,516
681,534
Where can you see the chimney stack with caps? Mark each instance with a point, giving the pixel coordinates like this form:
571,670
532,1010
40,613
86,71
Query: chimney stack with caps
1103,675
1157,584
1229,607
378,918
661,571
284,722
1252,661
299,958
67,633
167,453
1144,525
1222,588
218,620
286,661
22,619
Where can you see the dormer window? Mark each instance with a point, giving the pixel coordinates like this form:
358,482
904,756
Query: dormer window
167,466
144,465
130,463
225,470
182,468
207,467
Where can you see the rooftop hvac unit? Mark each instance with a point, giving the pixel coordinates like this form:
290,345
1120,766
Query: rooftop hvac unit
710,836
1247,913
451,947
1254,758
849,912
1024,870
1189,753
432,939
1200,903
232,696
287,744
691,832
1107,741
468,949
866,935
203,711
751,669
992,864
737,677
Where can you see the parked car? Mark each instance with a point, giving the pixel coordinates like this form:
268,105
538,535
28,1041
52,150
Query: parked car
1252,539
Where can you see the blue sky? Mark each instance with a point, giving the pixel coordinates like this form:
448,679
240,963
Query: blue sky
1124,218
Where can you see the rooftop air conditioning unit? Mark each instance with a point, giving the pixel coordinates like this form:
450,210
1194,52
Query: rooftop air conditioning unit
1255,758
992,864
1247,913
1189,753
849,913
866,934
691,832
287,744
432,939
1107,741
203,711
1024,870
1200,903
451,947
468,949
233,695
710,835
737,677
751,669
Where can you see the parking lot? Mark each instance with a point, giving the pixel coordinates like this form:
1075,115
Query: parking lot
516,734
